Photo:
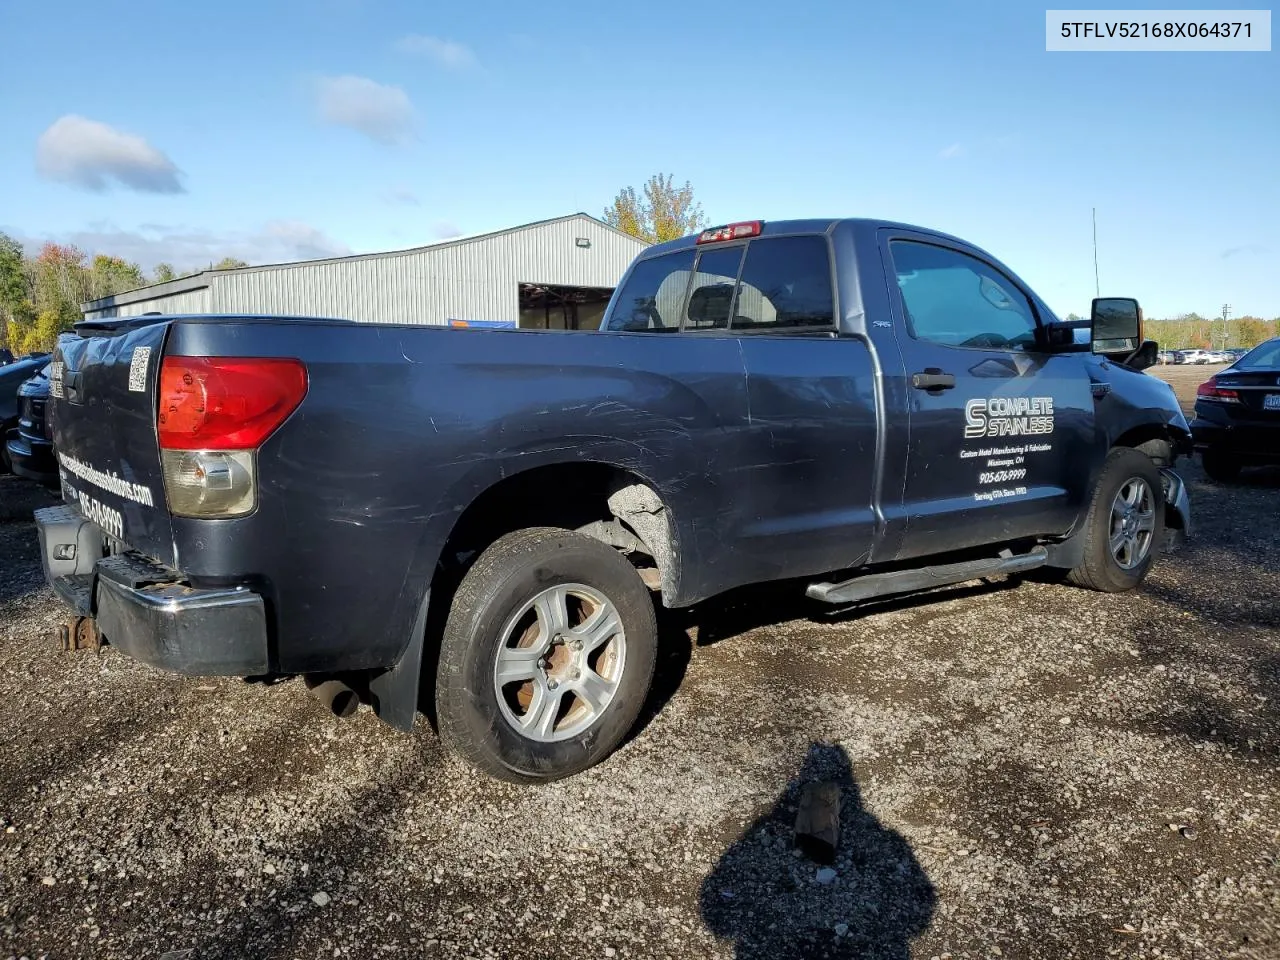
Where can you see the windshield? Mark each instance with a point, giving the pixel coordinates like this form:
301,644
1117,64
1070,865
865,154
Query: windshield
1264,355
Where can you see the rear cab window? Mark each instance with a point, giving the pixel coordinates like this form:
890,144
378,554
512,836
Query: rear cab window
767,285
653,296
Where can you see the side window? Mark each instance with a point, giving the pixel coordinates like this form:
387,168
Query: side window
786,283
712,290
955,299
653,294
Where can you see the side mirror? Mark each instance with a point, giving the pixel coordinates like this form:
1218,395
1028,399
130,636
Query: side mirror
1116,324
1147,355
1067,334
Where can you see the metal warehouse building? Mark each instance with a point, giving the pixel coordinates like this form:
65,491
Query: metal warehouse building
554,274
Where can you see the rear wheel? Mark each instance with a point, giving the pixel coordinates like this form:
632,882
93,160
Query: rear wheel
547,656
1125,525
1220,466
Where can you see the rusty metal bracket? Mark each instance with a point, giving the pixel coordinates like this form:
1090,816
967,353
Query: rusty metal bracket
80,633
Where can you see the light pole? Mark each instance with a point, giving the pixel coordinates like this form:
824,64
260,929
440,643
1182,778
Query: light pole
1226,314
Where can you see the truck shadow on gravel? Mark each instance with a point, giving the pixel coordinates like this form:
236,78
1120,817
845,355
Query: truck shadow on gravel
751,608
768,605
772,905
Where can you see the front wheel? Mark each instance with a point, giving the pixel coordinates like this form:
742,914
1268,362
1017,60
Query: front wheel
547,656
1125,524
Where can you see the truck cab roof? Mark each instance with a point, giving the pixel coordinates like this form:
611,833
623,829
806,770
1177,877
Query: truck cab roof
808,225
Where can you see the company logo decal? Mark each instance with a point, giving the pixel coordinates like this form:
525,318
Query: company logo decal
1008,417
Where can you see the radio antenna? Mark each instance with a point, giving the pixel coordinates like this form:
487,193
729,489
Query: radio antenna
1097,287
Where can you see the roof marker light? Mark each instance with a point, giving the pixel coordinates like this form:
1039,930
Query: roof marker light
731,231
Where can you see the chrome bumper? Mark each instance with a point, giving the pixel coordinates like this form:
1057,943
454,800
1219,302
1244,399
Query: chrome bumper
146,610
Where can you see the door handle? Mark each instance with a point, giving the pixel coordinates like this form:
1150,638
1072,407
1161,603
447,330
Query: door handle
933,379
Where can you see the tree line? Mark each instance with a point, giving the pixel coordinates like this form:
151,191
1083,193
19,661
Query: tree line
41,292
1192,331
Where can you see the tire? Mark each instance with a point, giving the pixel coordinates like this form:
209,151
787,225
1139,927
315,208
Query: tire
506,602
1106,567
1220,466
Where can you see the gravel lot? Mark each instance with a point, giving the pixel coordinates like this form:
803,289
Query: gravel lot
1030,770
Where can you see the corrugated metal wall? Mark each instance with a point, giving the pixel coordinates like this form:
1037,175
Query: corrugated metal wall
473,280
190,301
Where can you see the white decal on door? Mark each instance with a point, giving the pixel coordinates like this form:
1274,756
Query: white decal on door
1008,417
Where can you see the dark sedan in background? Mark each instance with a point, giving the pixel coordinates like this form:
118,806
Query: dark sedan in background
1237,421
13,375
28,446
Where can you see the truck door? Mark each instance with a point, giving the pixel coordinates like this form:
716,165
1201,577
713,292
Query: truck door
1001,430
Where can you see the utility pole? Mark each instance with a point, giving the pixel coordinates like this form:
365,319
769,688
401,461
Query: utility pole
1226,315
1097,287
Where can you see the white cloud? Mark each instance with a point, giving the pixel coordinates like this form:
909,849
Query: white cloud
401,196
1249,249
188,248
446,53
951,152
89,154
444,229
382,113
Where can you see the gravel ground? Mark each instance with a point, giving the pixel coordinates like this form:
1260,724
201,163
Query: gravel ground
1029,770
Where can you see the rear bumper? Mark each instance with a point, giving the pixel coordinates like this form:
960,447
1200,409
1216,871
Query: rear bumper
1254,442
32,458
147,611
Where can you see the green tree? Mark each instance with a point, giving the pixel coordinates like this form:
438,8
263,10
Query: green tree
229,263
111,275
1247,331
13,281
163,273
13,287
18,325
664,213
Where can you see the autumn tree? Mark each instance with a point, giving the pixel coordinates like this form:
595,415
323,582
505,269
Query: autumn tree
229,263
53,285
163,273
61,280
111,275
664,212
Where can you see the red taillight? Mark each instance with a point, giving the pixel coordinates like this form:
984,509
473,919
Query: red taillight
1209,390
732,231
226,403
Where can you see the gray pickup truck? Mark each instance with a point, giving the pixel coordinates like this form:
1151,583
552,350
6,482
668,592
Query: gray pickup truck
476,522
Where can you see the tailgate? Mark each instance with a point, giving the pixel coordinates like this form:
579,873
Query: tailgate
102,396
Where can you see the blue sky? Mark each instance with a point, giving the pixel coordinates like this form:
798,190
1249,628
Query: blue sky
292,129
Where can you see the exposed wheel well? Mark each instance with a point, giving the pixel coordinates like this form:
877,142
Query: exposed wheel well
1152,439
599,500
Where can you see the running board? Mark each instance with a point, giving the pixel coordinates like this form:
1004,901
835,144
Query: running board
871,585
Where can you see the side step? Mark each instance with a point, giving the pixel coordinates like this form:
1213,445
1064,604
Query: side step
871,585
